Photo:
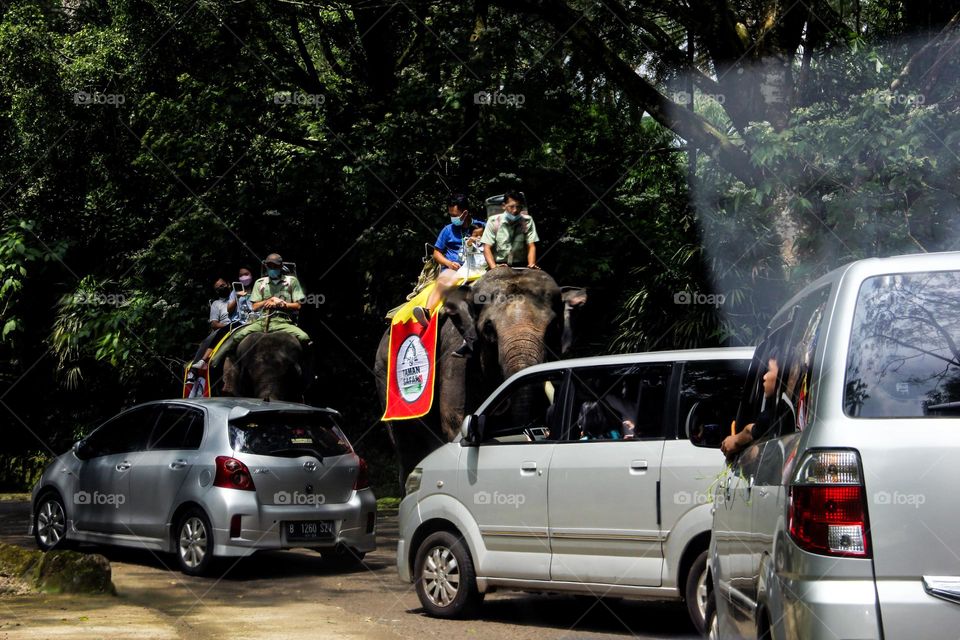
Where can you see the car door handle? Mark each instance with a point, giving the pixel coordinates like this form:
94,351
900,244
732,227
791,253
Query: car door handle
638,466
178,464
528,467
123,466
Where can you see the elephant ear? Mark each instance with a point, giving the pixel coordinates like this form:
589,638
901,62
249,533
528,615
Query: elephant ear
574,298
459,307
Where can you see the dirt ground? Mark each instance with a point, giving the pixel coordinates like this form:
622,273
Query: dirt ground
293,595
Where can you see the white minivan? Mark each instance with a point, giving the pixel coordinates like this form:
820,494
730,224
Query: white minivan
577,476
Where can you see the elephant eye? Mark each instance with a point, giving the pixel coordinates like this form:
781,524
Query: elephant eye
489,331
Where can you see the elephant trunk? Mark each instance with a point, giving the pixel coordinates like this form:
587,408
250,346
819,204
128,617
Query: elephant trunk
522,347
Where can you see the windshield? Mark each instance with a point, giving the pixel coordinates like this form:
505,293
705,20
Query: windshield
903,360
288,435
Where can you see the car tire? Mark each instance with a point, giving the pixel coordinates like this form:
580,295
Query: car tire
711,623
445,579
193,541
50,522
696,590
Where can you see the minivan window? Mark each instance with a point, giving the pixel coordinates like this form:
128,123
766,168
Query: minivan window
792,348
526,411
619,402
903,359
709,393
288,435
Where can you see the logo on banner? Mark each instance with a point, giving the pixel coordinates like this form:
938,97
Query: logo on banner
413,368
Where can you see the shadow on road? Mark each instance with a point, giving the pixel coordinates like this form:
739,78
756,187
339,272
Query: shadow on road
586,614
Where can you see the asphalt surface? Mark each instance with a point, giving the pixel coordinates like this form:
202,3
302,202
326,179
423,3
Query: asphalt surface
295,589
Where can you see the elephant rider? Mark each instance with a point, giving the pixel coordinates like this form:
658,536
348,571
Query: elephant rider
450,252
277,297
510,238
245,311
223,315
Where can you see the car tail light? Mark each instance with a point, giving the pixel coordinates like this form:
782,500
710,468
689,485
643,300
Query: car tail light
233,474
828,510
363,475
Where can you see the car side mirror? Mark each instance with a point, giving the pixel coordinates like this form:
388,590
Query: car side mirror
472,431
709,437
82,450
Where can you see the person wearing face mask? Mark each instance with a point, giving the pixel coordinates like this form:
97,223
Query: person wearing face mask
244,312
277,298
448,252
222,315
510,238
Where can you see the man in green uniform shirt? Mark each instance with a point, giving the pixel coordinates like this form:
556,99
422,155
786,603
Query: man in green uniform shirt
510,238
278,298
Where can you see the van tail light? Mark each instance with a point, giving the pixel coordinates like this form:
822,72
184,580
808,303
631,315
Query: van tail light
233,474
828,509
363,475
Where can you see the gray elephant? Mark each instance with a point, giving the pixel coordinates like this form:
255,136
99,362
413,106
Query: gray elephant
515,318
267,365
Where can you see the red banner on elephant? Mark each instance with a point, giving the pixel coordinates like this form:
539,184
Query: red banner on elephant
411,365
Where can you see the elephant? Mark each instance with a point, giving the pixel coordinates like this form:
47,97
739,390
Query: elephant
267,365
515,318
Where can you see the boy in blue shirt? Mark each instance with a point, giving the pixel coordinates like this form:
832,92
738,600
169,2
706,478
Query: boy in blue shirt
449,253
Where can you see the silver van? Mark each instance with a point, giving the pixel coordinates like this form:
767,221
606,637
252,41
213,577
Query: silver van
839,518
576,476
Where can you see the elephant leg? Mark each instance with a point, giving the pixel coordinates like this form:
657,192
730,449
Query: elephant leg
413,440
230,375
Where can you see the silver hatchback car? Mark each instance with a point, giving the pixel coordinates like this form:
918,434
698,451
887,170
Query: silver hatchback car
839,519
211,478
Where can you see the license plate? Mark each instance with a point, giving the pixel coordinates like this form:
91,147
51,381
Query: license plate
308,530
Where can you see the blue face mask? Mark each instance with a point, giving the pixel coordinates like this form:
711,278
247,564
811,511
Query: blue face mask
456,221
513,217
273,273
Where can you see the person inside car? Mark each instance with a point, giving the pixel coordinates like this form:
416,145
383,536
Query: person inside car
768,419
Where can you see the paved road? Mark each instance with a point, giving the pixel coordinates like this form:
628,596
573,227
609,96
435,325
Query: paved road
294,594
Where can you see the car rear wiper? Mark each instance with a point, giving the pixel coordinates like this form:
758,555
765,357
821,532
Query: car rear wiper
299,452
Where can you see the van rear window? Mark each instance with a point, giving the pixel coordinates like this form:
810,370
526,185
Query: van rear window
288,435
904,360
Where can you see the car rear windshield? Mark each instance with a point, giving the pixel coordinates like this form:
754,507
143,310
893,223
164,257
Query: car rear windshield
904,360
288,435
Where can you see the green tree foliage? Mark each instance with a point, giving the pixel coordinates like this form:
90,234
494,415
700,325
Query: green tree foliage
667,148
